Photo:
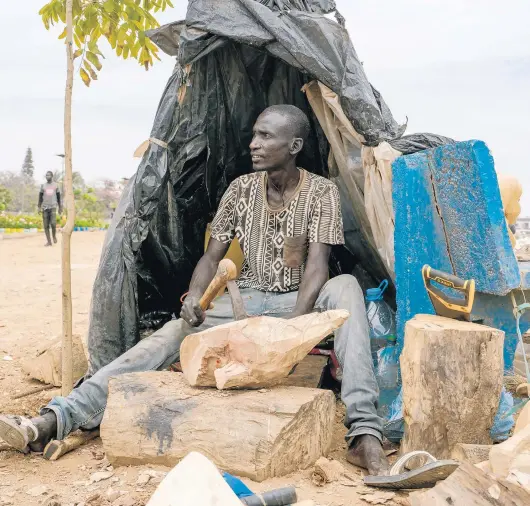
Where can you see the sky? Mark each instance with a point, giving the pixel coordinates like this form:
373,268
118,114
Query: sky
459,68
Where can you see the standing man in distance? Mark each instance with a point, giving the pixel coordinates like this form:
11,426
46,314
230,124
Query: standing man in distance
49,200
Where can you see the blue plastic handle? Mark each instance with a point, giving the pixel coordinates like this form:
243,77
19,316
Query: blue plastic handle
383,286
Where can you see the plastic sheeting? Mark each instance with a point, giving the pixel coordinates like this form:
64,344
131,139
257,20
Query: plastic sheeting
234,59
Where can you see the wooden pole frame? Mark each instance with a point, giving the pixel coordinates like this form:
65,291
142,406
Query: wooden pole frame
67,369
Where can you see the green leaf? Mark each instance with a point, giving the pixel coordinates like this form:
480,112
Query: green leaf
84,76
63,34
125,53
92,58
78,53
109,6
90,70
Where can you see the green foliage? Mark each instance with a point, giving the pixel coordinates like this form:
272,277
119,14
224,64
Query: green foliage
122,23
20,221
5,198
27,221
27,167
88,206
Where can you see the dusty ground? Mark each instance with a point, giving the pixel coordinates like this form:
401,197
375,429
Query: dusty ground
30,315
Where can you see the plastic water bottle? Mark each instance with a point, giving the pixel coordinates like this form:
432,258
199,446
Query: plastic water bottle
381,319
387,375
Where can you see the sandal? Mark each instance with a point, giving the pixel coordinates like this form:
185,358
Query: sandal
17,431
424,477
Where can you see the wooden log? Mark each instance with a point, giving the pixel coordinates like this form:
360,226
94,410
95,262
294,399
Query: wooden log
452,379
256,352
474,454
54,450
523,419
157,418
469,486
46,365
512,454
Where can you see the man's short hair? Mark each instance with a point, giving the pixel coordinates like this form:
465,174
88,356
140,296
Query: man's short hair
49,172
297,118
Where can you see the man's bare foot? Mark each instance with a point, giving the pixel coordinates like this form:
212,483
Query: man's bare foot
367,452
55,240
48,244
26,434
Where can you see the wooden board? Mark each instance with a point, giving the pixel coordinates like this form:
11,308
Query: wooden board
255,352
452,379
469,486
157,418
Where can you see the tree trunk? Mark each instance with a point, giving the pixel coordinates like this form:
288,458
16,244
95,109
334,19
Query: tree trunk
157,418
452,379
67,370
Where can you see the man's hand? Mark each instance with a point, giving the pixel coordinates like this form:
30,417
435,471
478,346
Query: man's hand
39,210
192,312
60,211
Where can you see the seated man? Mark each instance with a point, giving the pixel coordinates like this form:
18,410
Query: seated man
286,220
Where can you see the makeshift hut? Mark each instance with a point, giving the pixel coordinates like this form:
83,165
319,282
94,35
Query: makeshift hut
234,59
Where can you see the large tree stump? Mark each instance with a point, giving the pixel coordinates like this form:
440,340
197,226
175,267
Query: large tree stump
452,380
157,418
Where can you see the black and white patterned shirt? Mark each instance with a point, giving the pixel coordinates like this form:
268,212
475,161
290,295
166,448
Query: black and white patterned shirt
275,241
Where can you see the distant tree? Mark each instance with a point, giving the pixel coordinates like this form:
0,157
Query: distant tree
78,181
24,194
27,167
5,198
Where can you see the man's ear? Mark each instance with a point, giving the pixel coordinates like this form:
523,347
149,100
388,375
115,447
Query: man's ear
296,146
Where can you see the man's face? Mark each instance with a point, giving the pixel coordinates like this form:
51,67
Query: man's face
271,146
49,177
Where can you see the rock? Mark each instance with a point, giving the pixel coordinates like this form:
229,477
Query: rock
98,455
326,471
378,497
143,479
126,500
37,491
100,476
111,494
52,501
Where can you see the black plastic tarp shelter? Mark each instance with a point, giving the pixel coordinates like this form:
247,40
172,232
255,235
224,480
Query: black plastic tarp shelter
234,59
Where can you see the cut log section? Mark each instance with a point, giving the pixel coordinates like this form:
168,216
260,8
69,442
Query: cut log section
469,486
157,418
256,352
452,380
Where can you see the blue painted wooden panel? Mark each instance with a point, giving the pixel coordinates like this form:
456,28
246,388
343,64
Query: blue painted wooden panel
419,237
449,215
468,196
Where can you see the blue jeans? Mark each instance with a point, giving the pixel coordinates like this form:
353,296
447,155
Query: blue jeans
85,406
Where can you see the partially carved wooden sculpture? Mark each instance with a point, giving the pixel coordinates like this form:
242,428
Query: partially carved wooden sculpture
251,352
256,352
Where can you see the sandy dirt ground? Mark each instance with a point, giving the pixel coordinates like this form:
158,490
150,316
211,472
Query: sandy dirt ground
30,316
